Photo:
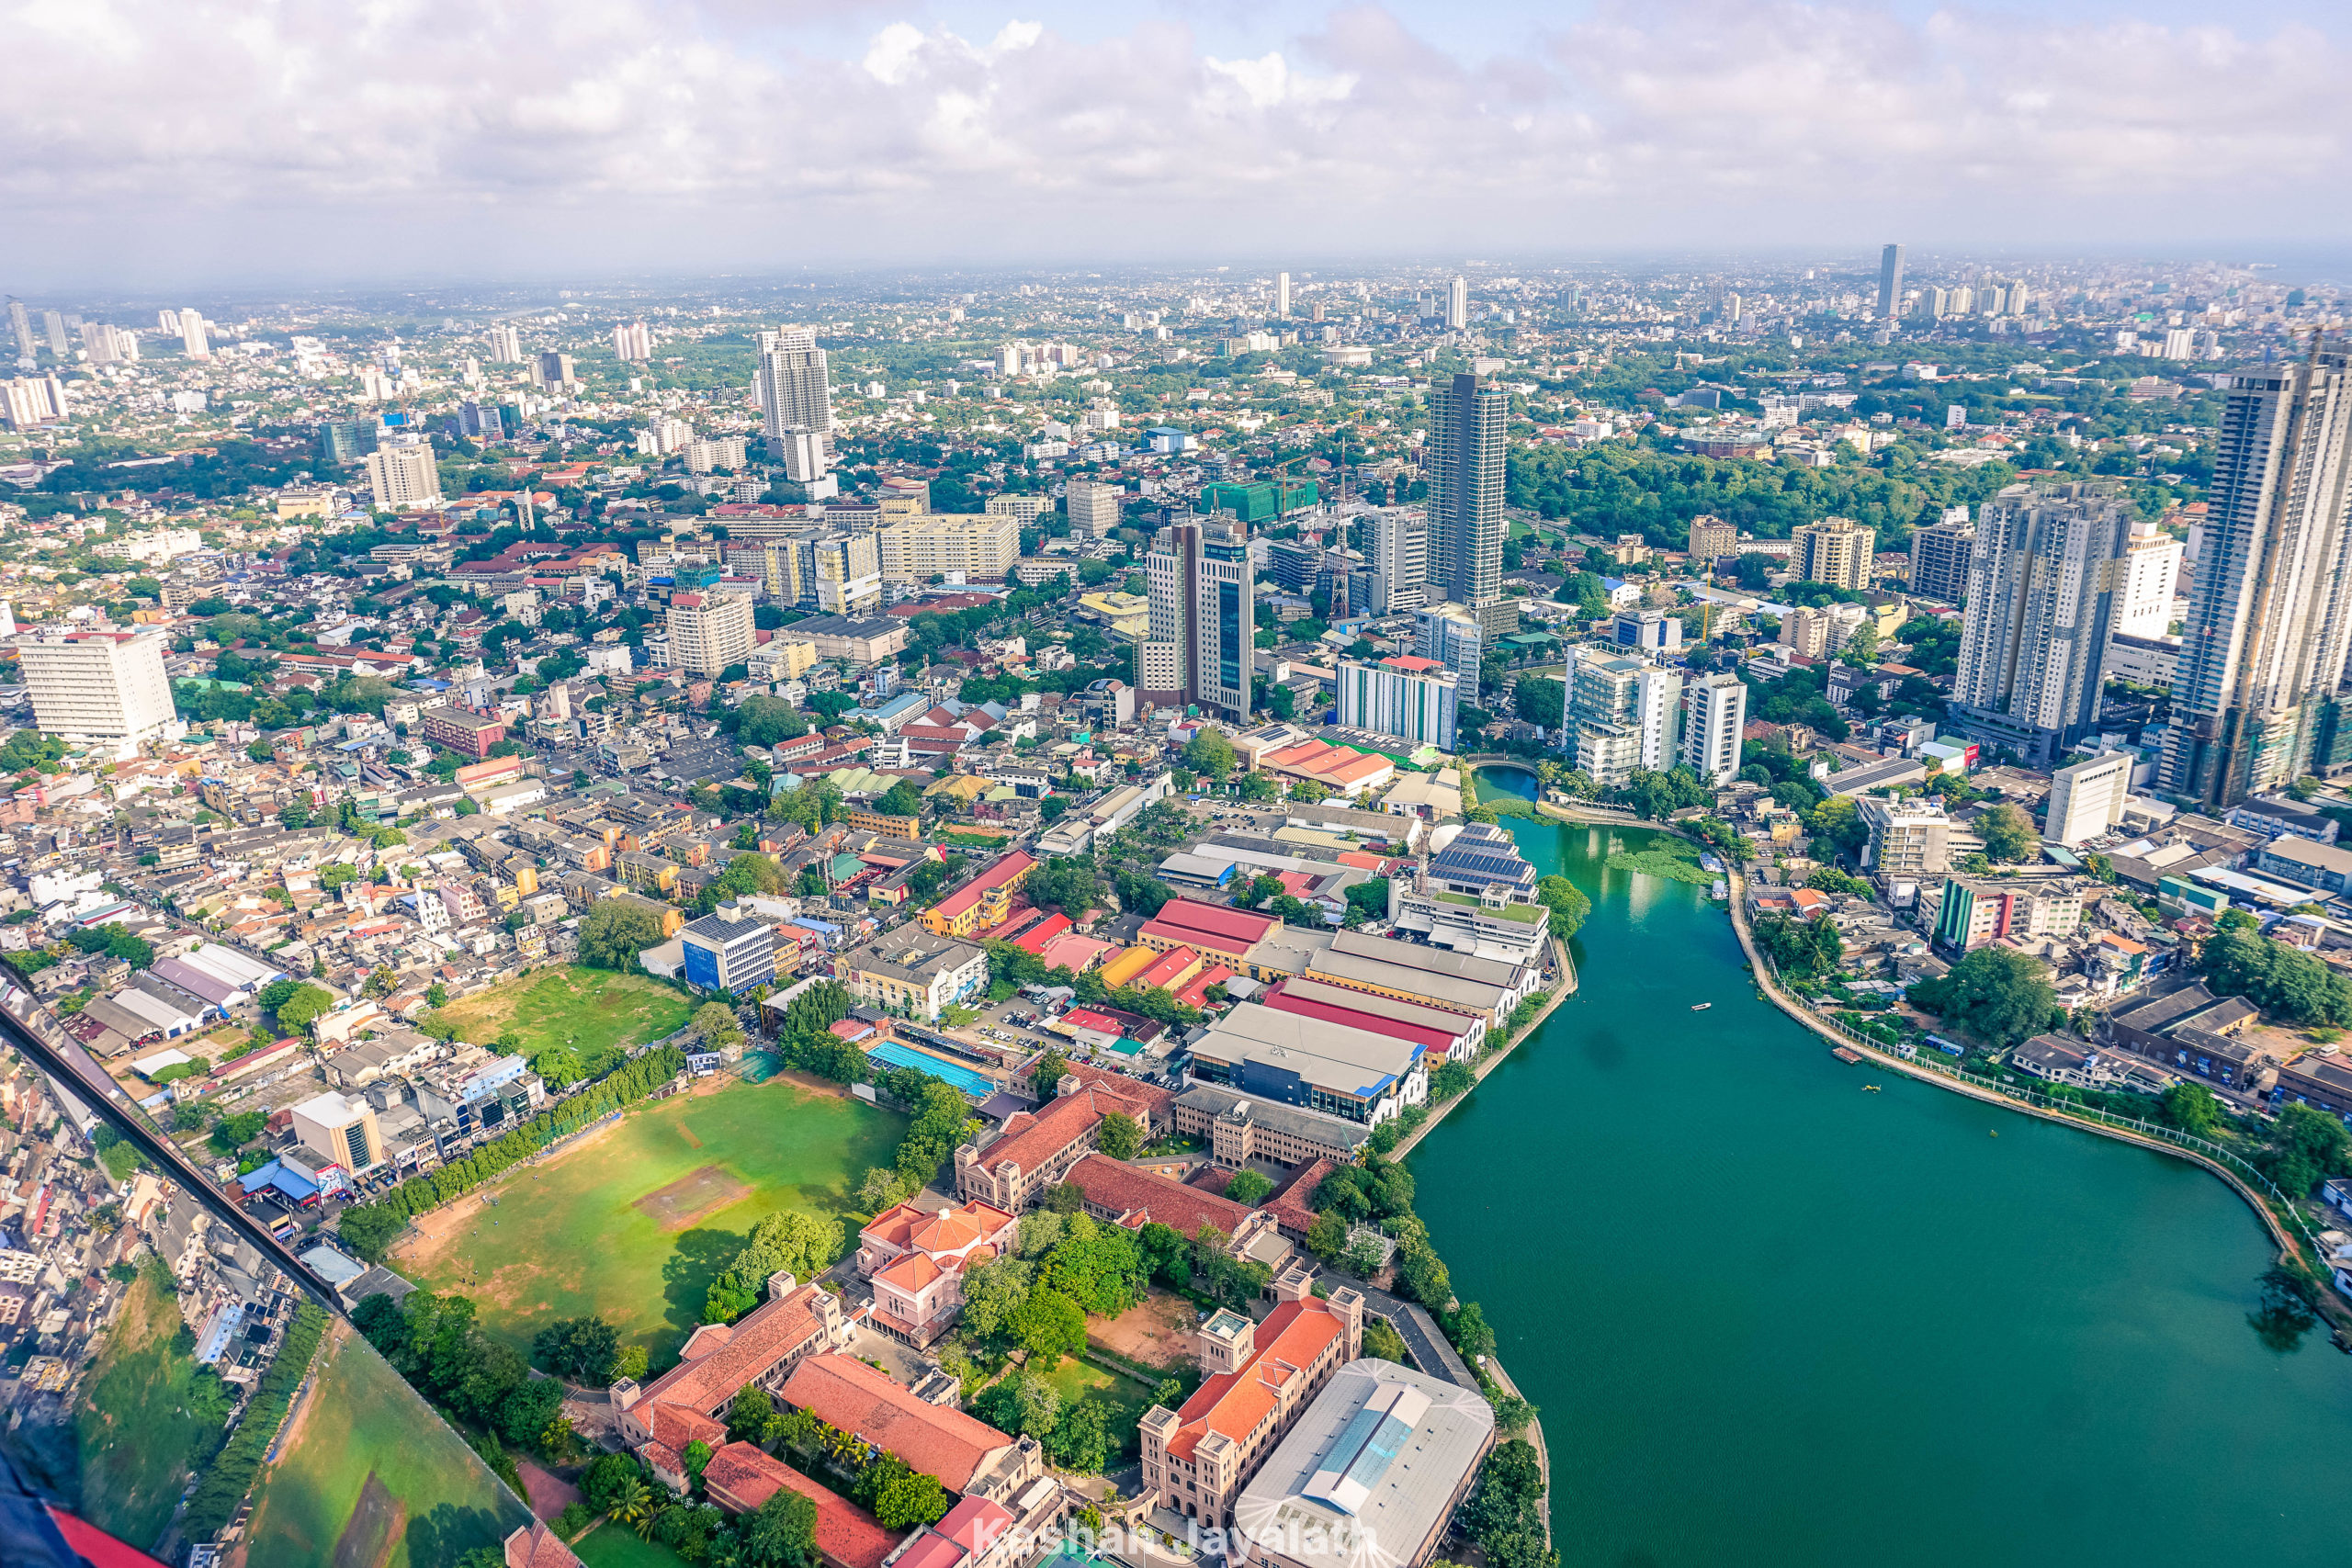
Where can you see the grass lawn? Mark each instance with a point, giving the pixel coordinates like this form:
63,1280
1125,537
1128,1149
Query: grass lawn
370,1476
586,1009
1075,1381
616,1546
138,1437
633,1226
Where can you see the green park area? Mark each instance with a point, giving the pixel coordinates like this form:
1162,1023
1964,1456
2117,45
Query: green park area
367,1474
633,1223
1074,1380
583,1010
152,1414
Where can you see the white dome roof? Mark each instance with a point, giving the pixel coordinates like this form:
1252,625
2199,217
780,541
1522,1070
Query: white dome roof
1444,836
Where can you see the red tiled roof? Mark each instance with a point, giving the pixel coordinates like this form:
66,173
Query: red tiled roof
1288,1202
535,1546
1435,1040
975,1524
740,1477
1127,1192
1033,1140
1034,939
1244,926
932,1438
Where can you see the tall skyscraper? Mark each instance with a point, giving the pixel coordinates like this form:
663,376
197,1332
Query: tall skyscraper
1940,559
1202,631
1714,712
23,323
554,371
505,343
53,325
1281,294
1457,306
2041,597
1400,559
793,386
403,478
803,451
1836,551
2262,663
1465,479
105,686
1890,282
193,337
632,341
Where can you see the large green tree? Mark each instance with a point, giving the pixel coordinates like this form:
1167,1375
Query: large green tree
1999,996
615,930
2007,833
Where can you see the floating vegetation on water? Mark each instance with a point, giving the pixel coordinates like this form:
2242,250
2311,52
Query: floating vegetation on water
1670,858
2285,1316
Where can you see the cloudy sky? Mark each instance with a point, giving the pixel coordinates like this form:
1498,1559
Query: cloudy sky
158,140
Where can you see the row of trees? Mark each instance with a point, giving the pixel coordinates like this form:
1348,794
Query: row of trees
437,1344
369,1228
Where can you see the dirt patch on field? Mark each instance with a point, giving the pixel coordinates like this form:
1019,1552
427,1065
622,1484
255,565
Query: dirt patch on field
1156,1331
688,1133
811,1083
693,1195
373,1530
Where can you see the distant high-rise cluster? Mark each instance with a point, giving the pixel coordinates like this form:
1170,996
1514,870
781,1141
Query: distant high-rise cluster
632,341
506,344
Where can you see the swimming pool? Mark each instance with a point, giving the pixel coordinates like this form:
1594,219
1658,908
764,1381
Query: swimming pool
891,1054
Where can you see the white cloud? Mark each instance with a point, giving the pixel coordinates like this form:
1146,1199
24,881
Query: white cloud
416,132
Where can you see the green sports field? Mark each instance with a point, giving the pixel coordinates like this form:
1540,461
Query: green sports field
634,1224
368,1477
149,1416
584,1009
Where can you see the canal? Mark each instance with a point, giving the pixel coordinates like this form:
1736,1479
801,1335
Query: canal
1771,1319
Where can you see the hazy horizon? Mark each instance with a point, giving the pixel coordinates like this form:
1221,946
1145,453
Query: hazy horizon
304,144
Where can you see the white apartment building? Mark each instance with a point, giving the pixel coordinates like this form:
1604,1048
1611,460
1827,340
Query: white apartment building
976,544
632,339
96,686
794,389
1093,508
506,344
1400,559
2086,798
2151,572
1411,698
709,631
403,478
193,338
1909,838
1658,717
1715,713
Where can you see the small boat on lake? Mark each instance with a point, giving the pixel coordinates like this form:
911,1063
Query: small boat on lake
1870,1088
1700,1007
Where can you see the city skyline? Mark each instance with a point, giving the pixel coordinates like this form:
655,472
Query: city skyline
945,134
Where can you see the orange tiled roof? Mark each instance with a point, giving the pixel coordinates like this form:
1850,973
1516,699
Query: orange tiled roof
1236,1403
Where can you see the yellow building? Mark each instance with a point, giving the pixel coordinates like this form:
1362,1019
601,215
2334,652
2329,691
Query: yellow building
1127,615
1127,965
983,902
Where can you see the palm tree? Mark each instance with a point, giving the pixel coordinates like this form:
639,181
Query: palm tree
635,1504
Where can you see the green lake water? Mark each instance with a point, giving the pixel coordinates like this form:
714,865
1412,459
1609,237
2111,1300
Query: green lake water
1771,1319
